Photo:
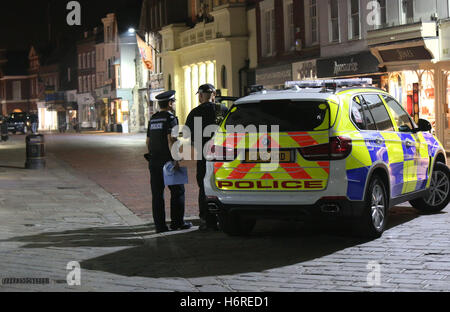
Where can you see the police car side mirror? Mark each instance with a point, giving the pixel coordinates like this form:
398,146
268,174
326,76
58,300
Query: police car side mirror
404,128
424,126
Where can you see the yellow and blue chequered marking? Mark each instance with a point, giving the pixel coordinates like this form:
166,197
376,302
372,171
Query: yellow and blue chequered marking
408,167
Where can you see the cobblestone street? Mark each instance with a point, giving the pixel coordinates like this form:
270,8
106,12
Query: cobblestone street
67,212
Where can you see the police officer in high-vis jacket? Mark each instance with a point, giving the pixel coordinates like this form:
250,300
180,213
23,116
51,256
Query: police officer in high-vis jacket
159,142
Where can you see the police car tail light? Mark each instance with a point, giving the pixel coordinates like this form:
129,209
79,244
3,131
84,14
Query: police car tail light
220,153
338,148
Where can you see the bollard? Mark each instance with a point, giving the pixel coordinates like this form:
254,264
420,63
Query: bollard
35,151
4,129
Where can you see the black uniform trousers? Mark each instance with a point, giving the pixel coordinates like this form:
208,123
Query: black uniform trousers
210,219
177,198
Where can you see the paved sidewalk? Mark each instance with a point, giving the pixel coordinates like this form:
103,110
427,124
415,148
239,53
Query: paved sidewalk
49,205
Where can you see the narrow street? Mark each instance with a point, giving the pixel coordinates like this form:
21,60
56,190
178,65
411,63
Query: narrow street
116,162
63,214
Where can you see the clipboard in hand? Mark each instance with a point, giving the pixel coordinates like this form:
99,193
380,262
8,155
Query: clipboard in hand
174,177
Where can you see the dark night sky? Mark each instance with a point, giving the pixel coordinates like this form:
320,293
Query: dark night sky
24,22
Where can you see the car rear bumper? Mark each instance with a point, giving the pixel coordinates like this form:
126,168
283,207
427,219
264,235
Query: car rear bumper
321,209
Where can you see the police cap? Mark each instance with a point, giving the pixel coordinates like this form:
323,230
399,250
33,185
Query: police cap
206,88
166,96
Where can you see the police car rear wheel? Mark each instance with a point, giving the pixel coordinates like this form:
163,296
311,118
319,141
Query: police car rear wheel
439,195
373,221
235,225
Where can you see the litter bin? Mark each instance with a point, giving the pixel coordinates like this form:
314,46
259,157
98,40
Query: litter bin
35,151
3,129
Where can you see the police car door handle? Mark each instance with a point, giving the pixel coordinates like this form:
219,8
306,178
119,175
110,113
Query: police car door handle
409,143
379,141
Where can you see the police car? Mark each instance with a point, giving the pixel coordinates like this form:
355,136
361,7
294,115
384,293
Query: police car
342,149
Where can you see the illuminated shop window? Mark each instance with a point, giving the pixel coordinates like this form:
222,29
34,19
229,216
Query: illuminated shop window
201,74
187,88
194,85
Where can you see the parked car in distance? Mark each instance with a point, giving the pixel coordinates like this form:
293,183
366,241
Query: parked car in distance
19,122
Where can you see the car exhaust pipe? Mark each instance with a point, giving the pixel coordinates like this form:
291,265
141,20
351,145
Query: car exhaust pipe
213,208
330,208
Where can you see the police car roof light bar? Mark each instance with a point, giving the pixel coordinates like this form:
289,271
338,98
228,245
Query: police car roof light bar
332,84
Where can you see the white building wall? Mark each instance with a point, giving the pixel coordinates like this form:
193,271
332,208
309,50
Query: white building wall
128,47
423,11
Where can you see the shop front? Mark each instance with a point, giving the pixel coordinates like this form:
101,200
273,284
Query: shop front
443,84
274,77
103,96
415,90
410,54
119,115
306,70
86,110
50,110
362,64
48,119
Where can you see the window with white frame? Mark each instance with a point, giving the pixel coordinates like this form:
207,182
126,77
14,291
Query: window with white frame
334,20
269,32
408,11
354,26
80,84
289,33
89,85
86,86
80,59
312,9
382,16
17,90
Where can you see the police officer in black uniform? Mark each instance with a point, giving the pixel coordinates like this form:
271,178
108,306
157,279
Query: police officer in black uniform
209,112
159,142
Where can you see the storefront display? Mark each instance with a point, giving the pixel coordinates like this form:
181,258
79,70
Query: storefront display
401,86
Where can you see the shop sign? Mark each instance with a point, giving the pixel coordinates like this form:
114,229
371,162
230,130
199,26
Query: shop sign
362,63
406,54
276,75
304,70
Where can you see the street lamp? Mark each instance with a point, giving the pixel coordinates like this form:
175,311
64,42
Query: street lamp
131,30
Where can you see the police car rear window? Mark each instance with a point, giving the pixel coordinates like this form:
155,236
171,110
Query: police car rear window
288,115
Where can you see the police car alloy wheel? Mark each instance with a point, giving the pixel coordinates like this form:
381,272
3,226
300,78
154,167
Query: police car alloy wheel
373,221
378,207
439,192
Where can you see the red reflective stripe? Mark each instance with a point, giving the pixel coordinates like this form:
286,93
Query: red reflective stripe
241,171
325,165
232,140
304,140
296,172
217,166
267,176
